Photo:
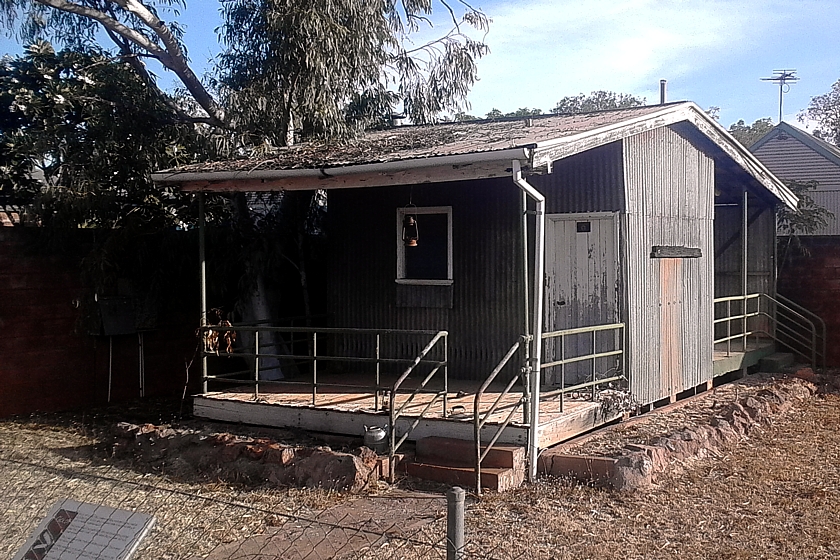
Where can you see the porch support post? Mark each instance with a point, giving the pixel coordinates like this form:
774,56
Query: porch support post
526,374
536,342
744,263
202,280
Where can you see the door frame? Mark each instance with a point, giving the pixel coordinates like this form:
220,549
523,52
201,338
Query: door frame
621,296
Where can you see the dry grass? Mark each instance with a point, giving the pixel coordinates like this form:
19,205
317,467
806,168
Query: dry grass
776,495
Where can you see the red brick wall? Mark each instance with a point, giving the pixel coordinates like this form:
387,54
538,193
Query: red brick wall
814,282
46,364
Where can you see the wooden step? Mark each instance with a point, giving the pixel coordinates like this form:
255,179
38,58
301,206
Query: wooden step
496,479
461,453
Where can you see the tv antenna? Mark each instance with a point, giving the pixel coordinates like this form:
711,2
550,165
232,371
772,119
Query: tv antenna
783,78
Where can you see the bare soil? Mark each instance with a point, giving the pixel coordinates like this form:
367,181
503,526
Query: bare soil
774,495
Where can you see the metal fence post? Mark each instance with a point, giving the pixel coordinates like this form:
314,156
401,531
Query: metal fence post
455,524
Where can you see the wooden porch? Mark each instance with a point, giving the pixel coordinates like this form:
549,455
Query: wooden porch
347,412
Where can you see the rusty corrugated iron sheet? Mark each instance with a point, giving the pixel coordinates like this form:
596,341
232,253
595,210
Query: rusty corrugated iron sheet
669,189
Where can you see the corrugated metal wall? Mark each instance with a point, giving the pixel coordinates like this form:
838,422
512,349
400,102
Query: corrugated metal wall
670,197
486,316
592,181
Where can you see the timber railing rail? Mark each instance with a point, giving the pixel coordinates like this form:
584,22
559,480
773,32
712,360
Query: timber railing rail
778,318
619,341
480,418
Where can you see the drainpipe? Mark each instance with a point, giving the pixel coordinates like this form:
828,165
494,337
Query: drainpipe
536,331
526,306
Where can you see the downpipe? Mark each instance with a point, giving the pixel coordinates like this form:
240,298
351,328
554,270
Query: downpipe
535,376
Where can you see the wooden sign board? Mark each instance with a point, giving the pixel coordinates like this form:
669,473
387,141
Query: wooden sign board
78,531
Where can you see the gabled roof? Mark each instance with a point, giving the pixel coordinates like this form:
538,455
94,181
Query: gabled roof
828,151
459,151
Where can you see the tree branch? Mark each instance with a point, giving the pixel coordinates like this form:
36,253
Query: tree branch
172,57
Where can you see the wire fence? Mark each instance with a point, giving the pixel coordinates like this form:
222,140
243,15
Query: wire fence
217,520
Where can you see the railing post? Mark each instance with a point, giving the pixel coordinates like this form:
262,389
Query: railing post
525,371
202,279
455,524
445,375
728,328
314,367
392,432
376,390
256,364
477,436
562,371
594,368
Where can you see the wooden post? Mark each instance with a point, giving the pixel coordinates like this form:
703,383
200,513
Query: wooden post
202,287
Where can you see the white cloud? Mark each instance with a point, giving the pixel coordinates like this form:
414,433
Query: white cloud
544,50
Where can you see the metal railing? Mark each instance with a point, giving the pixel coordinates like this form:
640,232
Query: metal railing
819,339
314,356
397,412
779,319
480,418
619,354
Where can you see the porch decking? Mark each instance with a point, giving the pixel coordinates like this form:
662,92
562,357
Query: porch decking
348,412
725,362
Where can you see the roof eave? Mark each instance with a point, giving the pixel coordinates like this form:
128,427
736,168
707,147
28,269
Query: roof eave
553,150
741,155
459,167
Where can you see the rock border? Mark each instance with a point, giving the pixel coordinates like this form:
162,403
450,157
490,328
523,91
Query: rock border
635,466
186,453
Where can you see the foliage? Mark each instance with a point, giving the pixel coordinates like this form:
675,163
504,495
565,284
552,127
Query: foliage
521,112
135,28
748,134
808,218
462,116
825,111
94,130
330,67
79,137
596,101
322,67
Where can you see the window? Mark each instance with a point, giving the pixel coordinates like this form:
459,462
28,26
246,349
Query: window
430,262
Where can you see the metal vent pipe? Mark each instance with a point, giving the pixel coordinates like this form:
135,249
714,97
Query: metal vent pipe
663,86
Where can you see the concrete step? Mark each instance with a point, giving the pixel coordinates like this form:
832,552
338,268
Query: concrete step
496,479
461,453
776,362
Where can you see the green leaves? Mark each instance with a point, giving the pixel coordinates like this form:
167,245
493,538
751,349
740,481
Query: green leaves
327,68
747,134
808,218
825,110
79,136
596,101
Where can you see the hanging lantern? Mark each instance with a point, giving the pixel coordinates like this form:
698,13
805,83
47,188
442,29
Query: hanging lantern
409,232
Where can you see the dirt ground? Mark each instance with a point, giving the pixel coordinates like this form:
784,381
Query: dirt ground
774,495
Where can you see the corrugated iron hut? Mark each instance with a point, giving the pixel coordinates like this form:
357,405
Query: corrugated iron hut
596,244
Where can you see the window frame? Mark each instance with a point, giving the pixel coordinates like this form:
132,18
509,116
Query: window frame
418,211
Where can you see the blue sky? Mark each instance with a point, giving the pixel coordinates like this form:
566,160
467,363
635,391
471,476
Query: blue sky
713,52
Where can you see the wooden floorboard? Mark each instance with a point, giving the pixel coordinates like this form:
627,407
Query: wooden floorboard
350,412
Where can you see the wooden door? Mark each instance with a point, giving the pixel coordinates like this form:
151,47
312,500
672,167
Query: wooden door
582,264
